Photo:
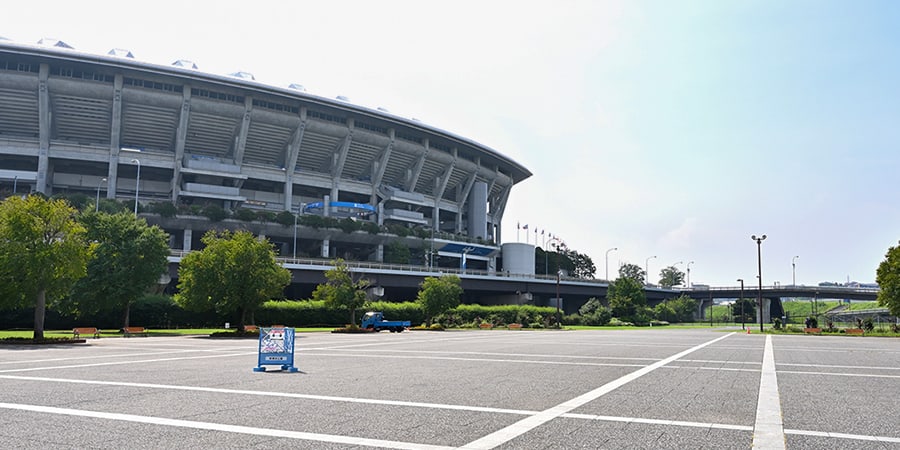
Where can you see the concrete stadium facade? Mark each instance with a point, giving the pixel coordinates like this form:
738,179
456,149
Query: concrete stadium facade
74,122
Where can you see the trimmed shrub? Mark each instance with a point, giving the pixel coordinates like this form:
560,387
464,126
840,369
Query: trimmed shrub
245,214
214,213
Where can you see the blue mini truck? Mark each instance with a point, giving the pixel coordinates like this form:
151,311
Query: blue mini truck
374,320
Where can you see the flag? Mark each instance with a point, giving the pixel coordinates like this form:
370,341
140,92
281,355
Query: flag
518,225
525,227
542,232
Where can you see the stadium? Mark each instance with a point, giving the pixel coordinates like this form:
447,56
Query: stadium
112,127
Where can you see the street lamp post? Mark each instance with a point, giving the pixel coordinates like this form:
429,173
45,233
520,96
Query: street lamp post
647,268
689,274
97,203
742,303
607,262
759,266
137,185
15,183
794,271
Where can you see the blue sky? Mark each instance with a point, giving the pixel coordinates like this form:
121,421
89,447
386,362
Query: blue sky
674,129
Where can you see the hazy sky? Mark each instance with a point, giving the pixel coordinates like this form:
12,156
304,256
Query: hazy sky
674,129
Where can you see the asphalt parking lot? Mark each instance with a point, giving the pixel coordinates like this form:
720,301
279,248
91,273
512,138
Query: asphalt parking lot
616,389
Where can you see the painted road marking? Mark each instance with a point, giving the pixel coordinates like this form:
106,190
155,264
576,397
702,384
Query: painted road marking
525,425
664,422
267,432
117,363
769,428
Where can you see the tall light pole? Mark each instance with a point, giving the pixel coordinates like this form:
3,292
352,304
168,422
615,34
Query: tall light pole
15,183
794,271
137,184
97,203
607,262
742,302
759,265
689,274
647,268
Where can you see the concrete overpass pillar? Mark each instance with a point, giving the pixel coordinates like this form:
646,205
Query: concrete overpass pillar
767,310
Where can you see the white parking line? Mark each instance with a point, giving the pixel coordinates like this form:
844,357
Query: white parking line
117,363
768,432
267,432
525,425
858,437
450,407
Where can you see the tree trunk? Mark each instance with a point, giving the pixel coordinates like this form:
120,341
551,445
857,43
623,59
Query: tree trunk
126,315
352,316
242,318
40,309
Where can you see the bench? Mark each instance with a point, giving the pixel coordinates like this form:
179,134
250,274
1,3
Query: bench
854,331
486,326
251,328
78,331
812,330
130,331
514,326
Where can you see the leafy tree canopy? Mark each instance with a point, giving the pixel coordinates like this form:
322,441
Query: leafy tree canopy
235,272
633,271
43,252
888,279
438,295
670,276
340,291
626,297
129,258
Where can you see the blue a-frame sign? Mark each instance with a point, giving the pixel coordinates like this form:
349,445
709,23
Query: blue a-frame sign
276,348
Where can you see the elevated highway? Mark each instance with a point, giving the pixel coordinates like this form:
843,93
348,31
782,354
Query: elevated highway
401,282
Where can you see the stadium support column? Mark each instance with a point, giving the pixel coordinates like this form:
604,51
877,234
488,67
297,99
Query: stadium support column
115,135
326,211
41,184
290,162
477,226
180,139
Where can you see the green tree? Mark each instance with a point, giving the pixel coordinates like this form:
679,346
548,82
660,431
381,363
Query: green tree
749,310
626,298
438,295
396,253
583,265
129,258
670,276
43,252
235,272
681,309
633,271
888,278
340,291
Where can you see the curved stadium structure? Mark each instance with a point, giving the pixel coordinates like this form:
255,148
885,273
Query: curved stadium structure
74,122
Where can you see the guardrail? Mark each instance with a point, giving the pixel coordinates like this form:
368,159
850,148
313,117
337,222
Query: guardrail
329,262
781,287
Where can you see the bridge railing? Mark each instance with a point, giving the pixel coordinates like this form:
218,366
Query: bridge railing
781,287
176,255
